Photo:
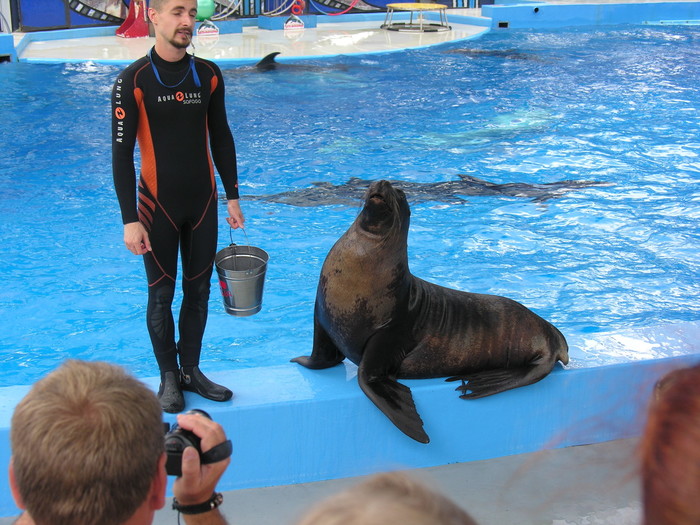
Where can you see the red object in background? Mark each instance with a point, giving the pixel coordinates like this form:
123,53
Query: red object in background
136,23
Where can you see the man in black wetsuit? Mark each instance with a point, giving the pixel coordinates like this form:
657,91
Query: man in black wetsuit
173,103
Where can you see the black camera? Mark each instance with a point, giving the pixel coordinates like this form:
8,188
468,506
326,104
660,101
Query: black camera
177,439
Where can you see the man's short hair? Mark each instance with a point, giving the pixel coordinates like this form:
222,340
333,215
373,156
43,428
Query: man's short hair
157,4
86,443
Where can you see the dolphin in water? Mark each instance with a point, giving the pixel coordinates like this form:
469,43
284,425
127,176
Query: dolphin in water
268,63
348,194
508,54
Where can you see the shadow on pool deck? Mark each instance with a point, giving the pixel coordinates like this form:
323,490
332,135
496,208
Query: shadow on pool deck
588,484
593,484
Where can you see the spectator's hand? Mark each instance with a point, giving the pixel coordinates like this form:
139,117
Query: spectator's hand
198,482
136,238
235,217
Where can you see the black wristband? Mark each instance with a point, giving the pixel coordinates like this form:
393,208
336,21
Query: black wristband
200,508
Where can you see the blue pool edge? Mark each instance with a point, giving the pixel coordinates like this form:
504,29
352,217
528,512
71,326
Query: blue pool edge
290,425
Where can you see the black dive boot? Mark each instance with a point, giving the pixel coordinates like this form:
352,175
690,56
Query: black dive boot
193,380
170,393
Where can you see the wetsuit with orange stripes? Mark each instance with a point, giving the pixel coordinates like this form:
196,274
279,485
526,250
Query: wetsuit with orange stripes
177,113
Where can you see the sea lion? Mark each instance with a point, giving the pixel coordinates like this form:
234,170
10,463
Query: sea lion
372,310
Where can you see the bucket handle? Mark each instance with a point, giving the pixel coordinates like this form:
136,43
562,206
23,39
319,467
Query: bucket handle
230,235
250,252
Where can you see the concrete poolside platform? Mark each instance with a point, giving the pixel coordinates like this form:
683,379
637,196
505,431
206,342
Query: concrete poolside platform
294,426
593,484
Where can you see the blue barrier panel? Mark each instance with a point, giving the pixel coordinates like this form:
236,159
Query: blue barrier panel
292,425
277,22
7,46
228,27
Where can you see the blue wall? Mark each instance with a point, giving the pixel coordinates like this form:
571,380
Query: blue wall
50,14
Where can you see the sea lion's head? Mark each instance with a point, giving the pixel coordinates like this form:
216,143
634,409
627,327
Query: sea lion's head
386,212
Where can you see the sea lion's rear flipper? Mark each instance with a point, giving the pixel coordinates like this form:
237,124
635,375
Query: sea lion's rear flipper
396,401
489,382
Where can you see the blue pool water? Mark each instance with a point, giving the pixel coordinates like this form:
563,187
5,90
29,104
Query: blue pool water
615,266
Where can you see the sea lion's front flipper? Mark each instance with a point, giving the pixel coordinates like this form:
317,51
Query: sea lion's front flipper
324,353
396,401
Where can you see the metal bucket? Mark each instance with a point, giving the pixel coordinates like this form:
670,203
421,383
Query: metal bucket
241,271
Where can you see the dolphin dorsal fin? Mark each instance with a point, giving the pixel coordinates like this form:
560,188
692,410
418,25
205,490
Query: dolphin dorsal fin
268,61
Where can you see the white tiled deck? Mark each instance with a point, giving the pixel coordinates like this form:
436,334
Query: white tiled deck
327,39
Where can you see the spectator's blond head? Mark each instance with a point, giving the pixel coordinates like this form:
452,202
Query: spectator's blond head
387,499
86,444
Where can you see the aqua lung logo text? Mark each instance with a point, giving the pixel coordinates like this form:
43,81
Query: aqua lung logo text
119,112
180,96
